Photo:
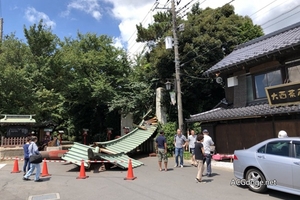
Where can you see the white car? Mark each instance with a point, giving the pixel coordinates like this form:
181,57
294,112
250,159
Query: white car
271,164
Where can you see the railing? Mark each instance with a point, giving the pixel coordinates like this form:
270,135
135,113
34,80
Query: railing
12,141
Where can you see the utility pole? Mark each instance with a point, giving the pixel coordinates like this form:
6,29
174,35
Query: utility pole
177,69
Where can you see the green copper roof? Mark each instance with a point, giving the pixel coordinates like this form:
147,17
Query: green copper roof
119,147
17,119
130,141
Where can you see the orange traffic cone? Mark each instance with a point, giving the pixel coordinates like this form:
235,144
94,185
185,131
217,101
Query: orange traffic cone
82,172
130,172
45,169
16,166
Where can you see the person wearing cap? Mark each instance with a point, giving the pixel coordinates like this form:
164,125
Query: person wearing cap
207,143
161,150
26,155
180,142
33,149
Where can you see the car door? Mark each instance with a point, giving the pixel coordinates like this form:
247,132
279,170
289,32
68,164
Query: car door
276,164
296,165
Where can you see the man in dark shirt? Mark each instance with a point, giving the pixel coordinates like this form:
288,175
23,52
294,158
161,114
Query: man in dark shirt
161,150
199,152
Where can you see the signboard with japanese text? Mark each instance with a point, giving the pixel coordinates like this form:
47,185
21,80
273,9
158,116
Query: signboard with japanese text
284,94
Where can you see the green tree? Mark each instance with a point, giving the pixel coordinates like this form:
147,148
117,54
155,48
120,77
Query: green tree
44,67
97,72
17,95
208,36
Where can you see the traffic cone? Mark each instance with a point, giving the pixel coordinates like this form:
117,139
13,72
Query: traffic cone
130,172
16,166
45,169
82,172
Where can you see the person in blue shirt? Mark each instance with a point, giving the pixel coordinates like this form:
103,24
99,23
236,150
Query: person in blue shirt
33,149
26,155
161,150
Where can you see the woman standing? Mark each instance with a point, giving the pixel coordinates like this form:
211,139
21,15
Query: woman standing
199,152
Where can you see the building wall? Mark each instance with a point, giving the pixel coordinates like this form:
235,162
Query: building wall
240,92
241,134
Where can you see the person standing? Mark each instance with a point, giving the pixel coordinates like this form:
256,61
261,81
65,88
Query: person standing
207,143
180,142
26,155
161,150
192,138
33,150
199,156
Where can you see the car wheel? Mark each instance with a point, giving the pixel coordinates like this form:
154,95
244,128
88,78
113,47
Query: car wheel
256,181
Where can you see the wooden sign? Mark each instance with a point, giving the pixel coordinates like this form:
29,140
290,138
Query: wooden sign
284,94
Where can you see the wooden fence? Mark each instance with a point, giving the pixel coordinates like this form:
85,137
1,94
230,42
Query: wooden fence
12,141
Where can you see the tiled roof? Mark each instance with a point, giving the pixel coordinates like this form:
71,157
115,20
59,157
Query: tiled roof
253,111
279,40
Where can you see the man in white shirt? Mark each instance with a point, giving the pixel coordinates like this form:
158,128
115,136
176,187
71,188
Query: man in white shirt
207,143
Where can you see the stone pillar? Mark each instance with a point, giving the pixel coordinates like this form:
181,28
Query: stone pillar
160,108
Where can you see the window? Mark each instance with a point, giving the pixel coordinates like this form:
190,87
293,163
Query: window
280,148
297,150
294,73
265,80
262,149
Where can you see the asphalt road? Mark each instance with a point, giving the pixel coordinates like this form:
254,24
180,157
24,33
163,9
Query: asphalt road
150,183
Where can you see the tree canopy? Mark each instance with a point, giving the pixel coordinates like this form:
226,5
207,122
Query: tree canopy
208,36
85,82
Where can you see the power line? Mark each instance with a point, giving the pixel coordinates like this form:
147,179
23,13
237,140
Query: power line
134,33
267,11
282,19
280,15
263,8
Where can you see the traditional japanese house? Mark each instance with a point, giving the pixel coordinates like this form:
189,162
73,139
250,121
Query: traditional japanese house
261,79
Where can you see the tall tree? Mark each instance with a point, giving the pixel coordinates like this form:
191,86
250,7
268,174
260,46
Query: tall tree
16,94
208,36
45,69
98,72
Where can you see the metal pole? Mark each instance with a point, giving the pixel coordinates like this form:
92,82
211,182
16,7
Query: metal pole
177,69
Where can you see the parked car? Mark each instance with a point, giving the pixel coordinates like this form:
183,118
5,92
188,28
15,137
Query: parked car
271,164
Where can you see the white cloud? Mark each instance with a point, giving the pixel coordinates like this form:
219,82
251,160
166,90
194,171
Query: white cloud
132,12
90,7
34,16
117,42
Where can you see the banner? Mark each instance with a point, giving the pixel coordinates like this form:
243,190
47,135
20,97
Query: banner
173,98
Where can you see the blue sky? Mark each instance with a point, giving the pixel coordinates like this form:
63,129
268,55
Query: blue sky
65,17
118,18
